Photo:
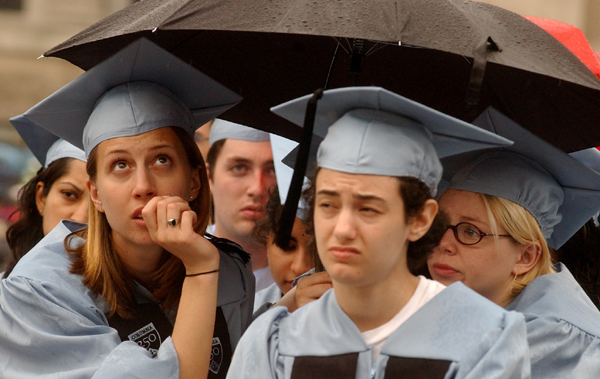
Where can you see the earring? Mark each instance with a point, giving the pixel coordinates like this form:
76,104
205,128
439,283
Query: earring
41,212
191,197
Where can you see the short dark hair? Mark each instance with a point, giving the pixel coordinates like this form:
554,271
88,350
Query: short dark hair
213,153
414,194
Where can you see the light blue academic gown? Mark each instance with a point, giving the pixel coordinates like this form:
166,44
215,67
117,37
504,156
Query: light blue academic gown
51,325
271,294
468,335
563,327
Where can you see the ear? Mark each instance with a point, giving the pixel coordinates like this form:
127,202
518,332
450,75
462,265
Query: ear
196,184
422,222
527,258
40,199
95,196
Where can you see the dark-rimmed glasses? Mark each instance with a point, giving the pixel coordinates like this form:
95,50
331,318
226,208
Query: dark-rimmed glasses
468,234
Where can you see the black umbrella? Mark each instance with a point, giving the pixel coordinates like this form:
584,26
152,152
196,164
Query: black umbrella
432,51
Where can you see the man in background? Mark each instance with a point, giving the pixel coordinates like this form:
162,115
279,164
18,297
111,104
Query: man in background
241,174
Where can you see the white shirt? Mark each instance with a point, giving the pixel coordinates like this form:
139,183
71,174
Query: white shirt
425,291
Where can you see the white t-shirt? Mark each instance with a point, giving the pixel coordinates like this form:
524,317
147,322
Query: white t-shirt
425,291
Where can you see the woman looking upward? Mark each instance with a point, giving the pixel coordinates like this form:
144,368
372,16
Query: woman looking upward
139,291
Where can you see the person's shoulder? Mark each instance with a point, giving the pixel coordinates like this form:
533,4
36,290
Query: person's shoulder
558,298
265,327
236,281
43,276
271,294
467,310
463,296
306,326
229,247
459,325
49,260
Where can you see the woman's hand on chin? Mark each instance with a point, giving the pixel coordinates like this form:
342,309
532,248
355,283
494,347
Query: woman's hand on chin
195,251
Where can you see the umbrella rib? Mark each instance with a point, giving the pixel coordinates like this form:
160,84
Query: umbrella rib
184,41
335,53
340,43
378,46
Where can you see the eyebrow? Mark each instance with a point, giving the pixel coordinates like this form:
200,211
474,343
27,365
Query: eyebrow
156,147
238,160
471,219
355,196
72,185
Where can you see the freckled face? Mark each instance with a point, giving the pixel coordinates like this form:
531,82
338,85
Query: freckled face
481,267
133,170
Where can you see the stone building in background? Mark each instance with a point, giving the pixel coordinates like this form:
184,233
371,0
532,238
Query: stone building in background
27,29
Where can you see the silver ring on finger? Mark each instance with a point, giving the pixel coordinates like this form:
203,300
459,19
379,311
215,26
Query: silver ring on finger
172,222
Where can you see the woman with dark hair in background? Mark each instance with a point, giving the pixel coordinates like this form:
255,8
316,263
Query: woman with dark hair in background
58,191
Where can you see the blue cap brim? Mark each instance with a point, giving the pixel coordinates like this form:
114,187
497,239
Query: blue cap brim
580,184
449,135
66,112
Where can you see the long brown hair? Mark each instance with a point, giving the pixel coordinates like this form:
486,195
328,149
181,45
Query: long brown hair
27,230
98,263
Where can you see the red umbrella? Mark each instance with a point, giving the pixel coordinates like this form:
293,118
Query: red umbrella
573,38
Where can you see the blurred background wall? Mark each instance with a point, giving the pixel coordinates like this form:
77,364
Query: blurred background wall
30,27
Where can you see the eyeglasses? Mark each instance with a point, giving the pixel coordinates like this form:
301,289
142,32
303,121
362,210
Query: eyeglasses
469,234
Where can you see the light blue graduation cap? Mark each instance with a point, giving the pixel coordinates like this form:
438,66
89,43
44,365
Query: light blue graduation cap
45,146
558,190
222,129
281,148
370,130
139,89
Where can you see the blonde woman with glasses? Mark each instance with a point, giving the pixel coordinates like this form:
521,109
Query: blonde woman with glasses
507,209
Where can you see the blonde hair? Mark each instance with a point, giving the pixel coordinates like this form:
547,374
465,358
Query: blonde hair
99,264
524,229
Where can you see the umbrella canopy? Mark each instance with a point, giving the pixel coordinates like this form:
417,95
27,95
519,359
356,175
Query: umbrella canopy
271,51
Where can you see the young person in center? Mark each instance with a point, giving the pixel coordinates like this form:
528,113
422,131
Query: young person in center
372,212
139,292
506,209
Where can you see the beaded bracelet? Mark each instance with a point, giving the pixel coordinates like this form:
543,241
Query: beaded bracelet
202,273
